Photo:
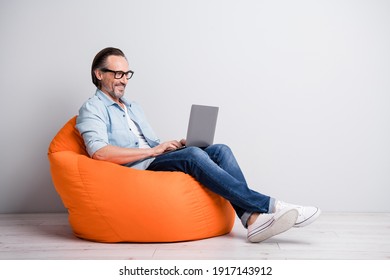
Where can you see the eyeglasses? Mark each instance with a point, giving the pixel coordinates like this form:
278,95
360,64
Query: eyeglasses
119,74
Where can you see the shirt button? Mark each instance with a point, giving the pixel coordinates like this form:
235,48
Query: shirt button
124,115
136,143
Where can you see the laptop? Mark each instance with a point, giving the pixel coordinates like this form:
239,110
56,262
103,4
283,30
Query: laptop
201,127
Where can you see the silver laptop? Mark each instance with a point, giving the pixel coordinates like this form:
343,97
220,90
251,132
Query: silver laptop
201,126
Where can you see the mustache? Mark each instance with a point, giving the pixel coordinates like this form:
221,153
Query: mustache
120,84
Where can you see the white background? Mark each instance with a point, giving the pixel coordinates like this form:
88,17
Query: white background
303,88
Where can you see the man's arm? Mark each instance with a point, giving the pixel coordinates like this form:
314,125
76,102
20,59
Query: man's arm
121,155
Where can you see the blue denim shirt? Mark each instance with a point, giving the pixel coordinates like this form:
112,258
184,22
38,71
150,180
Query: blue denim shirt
102,122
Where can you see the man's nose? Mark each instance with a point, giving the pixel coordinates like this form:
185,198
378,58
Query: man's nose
124,80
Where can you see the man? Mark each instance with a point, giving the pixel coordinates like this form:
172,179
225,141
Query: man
116,130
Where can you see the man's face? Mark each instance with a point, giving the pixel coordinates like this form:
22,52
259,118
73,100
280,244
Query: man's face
109,84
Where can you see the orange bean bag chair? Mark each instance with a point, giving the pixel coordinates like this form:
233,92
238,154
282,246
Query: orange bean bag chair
108,202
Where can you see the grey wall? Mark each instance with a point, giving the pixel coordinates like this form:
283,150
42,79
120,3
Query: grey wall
303,88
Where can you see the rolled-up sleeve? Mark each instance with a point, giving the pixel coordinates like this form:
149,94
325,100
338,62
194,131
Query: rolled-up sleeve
92,127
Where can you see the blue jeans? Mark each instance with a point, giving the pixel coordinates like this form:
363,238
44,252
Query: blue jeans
216,168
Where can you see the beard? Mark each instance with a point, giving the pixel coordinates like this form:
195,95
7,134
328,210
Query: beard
117,91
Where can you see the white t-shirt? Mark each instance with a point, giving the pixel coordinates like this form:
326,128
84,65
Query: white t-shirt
142,141
143,144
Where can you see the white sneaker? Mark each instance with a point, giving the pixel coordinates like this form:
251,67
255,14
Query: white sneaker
268,225
307,214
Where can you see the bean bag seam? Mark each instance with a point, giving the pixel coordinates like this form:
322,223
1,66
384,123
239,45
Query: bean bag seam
92,202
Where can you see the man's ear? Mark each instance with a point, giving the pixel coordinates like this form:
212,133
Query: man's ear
98,74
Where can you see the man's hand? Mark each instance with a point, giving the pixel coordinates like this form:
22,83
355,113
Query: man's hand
167,146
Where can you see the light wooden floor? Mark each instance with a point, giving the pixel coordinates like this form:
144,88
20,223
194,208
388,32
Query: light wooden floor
334,236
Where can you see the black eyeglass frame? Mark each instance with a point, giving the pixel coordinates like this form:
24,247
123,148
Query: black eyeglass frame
119,74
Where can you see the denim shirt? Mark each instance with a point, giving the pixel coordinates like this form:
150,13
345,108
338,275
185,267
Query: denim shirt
102,122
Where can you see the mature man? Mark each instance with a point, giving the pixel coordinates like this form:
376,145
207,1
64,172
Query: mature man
116,130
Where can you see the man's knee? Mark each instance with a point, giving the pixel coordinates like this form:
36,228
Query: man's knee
221,148
194,152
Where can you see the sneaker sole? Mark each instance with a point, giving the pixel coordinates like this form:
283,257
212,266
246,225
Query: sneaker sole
309,220
279,225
